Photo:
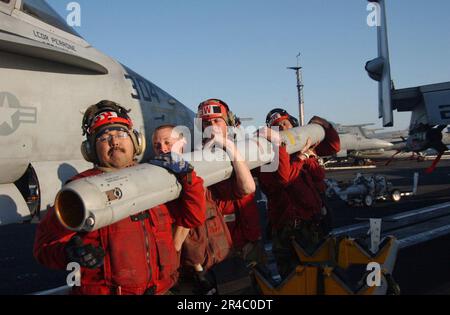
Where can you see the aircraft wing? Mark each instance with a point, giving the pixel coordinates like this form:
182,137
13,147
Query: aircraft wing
359,125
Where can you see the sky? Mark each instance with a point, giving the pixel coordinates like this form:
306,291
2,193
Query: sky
238,50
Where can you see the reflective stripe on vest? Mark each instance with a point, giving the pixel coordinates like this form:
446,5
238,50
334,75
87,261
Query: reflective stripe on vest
229,218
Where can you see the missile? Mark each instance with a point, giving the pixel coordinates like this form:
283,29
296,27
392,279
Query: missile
91,203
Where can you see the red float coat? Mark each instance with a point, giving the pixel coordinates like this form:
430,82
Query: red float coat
140,253
241,213
211,243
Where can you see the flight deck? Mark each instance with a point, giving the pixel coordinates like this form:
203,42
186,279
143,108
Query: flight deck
420,269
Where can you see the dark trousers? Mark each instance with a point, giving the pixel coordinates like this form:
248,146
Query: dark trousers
308,234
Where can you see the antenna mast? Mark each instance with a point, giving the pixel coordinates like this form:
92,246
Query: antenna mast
300,86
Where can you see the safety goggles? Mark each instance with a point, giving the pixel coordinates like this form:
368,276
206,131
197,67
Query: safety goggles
105,138
276,118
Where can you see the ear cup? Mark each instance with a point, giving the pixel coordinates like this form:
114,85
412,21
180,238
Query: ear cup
139,142
294,121
231,119
88,152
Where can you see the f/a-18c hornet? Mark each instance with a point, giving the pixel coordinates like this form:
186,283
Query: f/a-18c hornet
49,75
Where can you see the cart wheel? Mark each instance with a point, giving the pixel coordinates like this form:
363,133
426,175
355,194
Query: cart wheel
360,162
396,195
368,201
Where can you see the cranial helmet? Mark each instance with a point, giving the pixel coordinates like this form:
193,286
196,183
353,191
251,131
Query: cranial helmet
215,108
277,115
106,115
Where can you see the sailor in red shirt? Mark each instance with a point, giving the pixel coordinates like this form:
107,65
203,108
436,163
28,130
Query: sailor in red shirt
241,212
210,244
231,201
296,191
135,256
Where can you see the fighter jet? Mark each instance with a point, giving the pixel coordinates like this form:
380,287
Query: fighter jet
400,137
355,143
400,150
429,104
49,75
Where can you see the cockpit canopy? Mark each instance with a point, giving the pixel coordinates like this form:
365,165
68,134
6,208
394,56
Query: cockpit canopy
41,10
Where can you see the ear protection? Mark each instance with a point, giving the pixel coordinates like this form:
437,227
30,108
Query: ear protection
279,114
88,152
103,113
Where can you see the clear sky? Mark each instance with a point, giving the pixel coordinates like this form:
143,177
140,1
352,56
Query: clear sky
238,50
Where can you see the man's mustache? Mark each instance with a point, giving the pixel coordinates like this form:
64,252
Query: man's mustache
111,151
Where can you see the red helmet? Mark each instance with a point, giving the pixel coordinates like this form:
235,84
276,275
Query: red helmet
214,108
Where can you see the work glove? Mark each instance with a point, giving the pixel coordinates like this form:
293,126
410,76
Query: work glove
87,256
173,163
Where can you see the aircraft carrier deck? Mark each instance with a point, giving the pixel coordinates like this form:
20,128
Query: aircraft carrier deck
422,269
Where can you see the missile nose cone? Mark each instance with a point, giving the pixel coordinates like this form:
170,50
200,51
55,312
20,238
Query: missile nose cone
383,144
386,144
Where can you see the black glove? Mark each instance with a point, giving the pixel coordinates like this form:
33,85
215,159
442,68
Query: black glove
176,165
87,256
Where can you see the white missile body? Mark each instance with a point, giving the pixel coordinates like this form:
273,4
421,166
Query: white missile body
94,202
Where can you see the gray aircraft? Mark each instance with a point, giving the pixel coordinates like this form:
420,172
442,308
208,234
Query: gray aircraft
399,137
400,150
429,104
49,75
354,142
